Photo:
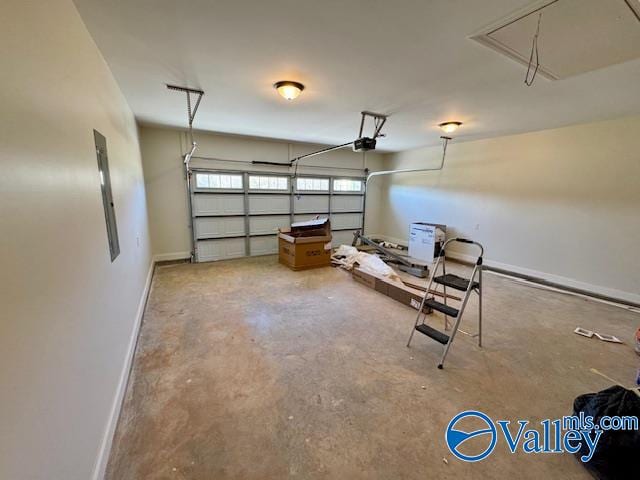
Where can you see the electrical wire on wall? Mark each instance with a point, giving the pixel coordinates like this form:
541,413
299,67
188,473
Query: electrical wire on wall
530,76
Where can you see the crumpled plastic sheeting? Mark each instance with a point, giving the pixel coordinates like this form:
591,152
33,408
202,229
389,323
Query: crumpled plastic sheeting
346,251
368,263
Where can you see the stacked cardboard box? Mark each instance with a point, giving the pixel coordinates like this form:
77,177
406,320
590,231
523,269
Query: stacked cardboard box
305,244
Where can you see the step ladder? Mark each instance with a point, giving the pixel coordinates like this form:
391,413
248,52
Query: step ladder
468,286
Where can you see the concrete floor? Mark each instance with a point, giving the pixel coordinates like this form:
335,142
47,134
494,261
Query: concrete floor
247,370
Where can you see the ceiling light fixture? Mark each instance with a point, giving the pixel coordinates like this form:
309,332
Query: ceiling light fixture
288,89
450,127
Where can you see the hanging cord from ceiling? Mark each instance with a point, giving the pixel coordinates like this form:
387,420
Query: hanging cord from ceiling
191,114
445,143
530,76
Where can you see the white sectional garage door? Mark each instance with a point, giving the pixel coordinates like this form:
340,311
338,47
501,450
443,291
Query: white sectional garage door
237,214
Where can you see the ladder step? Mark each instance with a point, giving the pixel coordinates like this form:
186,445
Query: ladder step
441,307
437,335
454,281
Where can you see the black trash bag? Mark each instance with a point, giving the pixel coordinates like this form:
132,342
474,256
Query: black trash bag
617,452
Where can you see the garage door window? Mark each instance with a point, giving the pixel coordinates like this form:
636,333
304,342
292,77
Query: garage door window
219,181
347,185
312,184
260,182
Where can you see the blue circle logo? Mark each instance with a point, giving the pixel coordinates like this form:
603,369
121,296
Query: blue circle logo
456,438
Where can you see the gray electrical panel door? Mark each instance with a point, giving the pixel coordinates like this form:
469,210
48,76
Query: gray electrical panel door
107,197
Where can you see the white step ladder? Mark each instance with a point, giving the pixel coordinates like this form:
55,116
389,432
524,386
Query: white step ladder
468,286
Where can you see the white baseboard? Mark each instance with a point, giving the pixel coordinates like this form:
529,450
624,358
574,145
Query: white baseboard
165,257
564,281
107,439
557,279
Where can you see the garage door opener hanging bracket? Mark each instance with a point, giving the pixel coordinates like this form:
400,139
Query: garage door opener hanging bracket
191,114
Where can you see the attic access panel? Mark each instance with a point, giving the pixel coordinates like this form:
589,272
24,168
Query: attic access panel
576,36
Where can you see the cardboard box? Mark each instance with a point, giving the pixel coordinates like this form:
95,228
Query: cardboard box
364,278
399,292
305,245
425,240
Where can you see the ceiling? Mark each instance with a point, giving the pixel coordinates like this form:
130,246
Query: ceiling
412,59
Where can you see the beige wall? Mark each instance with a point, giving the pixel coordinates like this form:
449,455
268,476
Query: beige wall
162,150
563,204
67,313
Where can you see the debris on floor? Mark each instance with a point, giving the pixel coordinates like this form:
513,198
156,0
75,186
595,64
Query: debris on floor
583,332
392,245
614,381
607,338
347,257
371,271
391,288
616,455
602,336
413,266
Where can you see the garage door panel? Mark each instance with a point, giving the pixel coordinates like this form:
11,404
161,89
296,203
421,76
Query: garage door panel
346,220
209,250
311,203
346,203
268,224
232,224
265,204
267,245
344,237
219,227
218,204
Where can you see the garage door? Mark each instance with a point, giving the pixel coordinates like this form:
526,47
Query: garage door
237,214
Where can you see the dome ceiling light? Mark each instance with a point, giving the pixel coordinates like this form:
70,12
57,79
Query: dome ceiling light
450,127
288,89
